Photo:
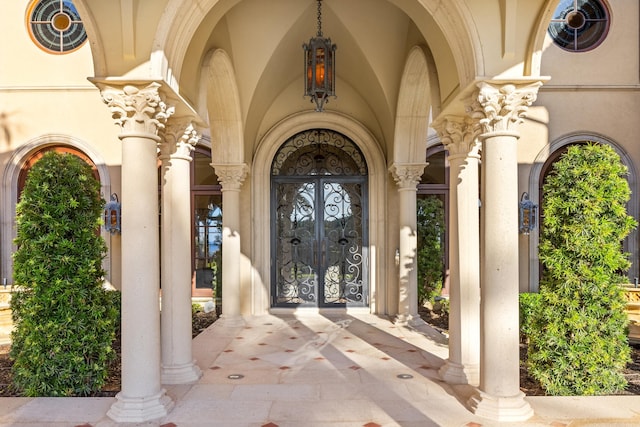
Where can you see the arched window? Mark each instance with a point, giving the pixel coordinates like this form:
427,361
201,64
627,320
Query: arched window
629,244
33,158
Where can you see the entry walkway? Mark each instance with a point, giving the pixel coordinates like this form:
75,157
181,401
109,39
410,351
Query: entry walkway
337,370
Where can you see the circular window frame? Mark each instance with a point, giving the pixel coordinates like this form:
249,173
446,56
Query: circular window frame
580,21
60,31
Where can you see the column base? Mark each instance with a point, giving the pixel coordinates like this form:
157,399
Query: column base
140,409
187,373
510,409
456,373
409,320
231,321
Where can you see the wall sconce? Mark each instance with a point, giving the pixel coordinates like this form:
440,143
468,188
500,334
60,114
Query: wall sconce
112,215
528,214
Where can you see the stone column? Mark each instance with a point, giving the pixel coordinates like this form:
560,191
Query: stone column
407,177
459,135
499,108
178,366
231,177
141,114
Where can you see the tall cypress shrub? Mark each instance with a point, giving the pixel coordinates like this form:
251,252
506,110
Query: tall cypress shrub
578,343
64,322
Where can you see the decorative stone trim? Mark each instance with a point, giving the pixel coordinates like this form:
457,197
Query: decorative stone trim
407,175
180,139
231,176
459,135
499,107
137,110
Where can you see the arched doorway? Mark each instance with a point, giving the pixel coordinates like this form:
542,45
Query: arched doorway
319,234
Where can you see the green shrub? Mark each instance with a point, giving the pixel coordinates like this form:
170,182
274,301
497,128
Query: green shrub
430,224
195,308
442,306
64,321
529,303
578,343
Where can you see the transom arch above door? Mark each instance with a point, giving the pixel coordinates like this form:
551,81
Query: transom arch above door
319,152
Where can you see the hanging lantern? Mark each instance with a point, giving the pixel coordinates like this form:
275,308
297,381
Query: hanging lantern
319,66
112,215
528,214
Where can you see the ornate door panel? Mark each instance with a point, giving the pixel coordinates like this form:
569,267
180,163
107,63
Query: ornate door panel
319,234
342,262
296,244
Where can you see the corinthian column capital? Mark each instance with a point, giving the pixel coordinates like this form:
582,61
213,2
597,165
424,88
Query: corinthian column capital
138,111
499,107
407,175
180,139
459,135
231,175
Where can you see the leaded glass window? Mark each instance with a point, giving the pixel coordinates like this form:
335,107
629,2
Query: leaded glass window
55,25
579,25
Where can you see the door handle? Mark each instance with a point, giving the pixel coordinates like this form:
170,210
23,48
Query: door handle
314,248
324,251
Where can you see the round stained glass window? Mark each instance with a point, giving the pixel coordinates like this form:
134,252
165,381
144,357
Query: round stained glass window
579,25
55,25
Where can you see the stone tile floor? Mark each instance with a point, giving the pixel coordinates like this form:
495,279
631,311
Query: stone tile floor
313,370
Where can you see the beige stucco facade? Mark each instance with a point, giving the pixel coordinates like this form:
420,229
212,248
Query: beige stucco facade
483,78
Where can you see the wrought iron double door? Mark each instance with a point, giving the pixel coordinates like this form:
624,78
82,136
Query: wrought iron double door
319,241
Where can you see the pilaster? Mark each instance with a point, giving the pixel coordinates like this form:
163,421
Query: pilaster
499,107
178,366
407,176
459,135
141,115
231,176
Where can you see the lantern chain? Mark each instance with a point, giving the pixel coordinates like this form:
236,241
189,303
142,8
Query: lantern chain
319,18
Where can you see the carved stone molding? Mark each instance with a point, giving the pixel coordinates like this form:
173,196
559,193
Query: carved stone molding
138,111
180,139
407,175
500,107
231,176
459,135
